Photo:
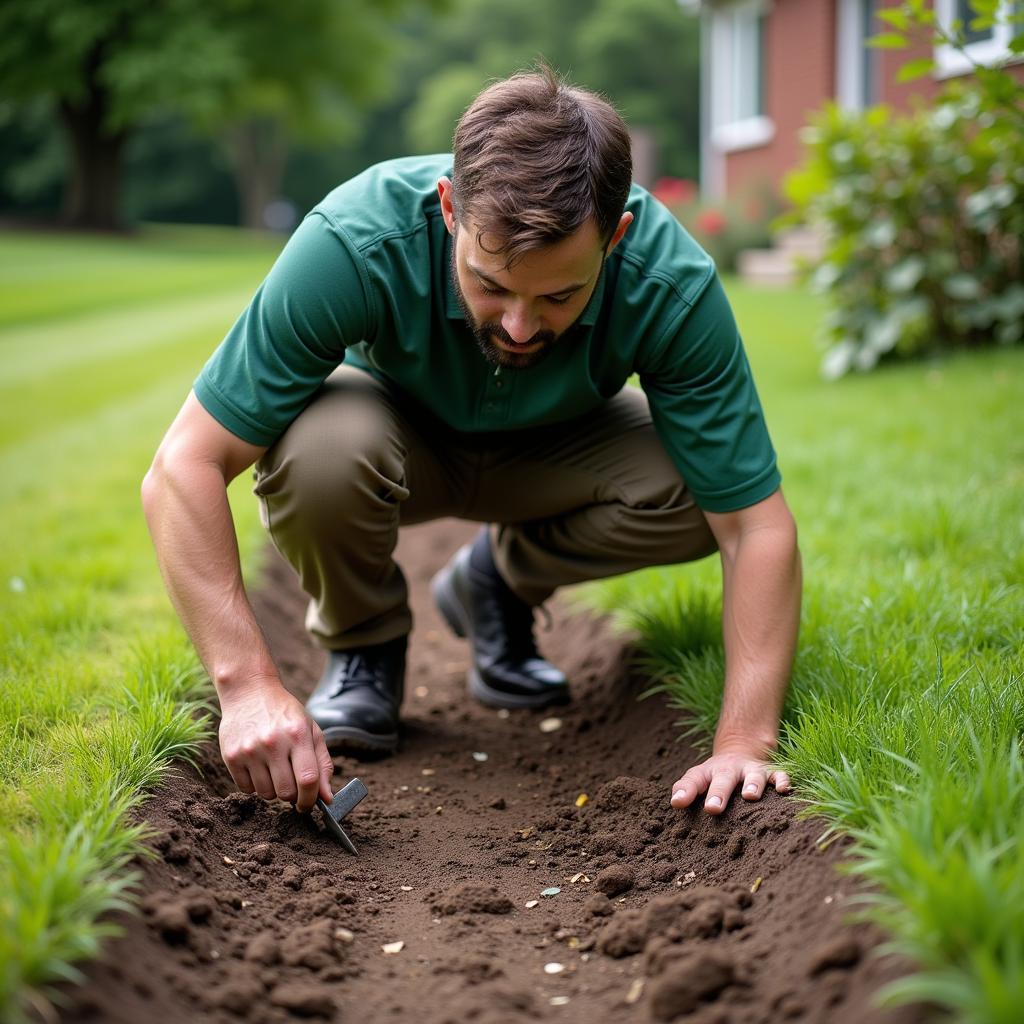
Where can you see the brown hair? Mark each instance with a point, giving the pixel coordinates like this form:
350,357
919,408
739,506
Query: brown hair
535,159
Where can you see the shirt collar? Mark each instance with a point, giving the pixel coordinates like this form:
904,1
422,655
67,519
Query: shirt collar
454,311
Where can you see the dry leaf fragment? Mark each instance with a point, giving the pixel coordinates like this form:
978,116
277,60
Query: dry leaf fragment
525,833
228,861
582,800
636,990
393,947
579,877
757,884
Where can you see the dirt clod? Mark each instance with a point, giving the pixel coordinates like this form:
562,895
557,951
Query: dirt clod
472,898
615,880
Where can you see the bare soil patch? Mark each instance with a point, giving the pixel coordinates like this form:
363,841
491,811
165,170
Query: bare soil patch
513,898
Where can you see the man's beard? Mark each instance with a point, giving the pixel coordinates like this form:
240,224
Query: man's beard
486,332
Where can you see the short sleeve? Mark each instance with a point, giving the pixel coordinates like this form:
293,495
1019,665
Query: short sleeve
706,410
312,305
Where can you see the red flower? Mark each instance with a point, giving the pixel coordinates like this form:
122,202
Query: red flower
710,222
675,191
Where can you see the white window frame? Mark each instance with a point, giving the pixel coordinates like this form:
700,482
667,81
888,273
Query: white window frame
851,41
950,62
728,135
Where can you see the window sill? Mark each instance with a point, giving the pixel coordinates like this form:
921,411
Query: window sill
746,134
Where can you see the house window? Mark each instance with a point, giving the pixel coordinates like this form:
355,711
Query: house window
737,99
985,46
857,70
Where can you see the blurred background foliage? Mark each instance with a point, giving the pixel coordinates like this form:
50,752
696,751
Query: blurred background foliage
247,112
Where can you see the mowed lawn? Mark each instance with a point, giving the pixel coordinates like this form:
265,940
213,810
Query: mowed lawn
100,339
908,487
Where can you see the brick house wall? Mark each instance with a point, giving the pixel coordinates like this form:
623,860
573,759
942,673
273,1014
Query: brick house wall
799,43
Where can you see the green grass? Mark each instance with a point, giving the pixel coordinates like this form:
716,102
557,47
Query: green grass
100,339
906,709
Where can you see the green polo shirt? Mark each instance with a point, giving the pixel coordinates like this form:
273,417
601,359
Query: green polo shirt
365,279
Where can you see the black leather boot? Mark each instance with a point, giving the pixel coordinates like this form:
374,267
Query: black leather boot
476,602
357,699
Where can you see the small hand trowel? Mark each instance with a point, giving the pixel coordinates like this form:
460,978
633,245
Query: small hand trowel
344,801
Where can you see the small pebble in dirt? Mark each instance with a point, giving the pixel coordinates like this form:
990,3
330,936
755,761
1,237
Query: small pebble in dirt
262,853
390,948
550,724
614,880
503,713
636,990
839,952
530,904
599,905
344,935
559,1000
291,877
553,968
304,998
552,890
498,803
479,755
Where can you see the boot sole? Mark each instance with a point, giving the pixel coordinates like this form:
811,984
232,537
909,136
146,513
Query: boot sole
454,613
341,739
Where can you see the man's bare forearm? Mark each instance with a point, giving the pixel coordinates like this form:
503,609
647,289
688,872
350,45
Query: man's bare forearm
762,583
193,532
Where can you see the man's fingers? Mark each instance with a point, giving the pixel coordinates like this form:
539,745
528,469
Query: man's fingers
326,763
781,781
261,780
691,785
306,770
754,781
243,780
723,782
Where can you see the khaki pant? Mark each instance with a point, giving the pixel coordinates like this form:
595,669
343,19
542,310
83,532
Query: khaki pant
581,500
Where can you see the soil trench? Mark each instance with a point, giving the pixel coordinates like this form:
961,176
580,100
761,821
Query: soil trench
486,887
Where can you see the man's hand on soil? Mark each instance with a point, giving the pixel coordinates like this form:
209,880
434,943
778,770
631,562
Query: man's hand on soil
719,776
272,747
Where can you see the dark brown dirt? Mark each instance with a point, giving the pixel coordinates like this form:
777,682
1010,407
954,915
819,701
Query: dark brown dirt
251,913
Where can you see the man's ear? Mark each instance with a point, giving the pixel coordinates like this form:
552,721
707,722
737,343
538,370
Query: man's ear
445,190
624,221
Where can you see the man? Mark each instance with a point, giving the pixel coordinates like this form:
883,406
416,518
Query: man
488,309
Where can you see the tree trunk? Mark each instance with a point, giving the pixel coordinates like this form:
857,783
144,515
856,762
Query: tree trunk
92,198
259,150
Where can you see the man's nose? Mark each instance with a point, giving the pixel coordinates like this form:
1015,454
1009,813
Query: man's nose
520,322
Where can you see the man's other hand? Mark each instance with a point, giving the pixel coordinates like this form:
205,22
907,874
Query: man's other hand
719,776
272,747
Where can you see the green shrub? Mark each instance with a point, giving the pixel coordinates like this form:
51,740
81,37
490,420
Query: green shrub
923,215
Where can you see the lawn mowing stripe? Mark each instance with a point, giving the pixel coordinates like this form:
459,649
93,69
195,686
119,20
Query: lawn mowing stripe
51,349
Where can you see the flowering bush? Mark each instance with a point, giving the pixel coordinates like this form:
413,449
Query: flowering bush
723,229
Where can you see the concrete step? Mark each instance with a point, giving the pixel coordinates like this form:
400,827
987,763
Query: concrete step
766,267
804,241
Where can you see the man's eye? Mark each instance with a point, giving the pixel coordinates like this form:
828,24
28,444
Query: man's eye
491,291
559,302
